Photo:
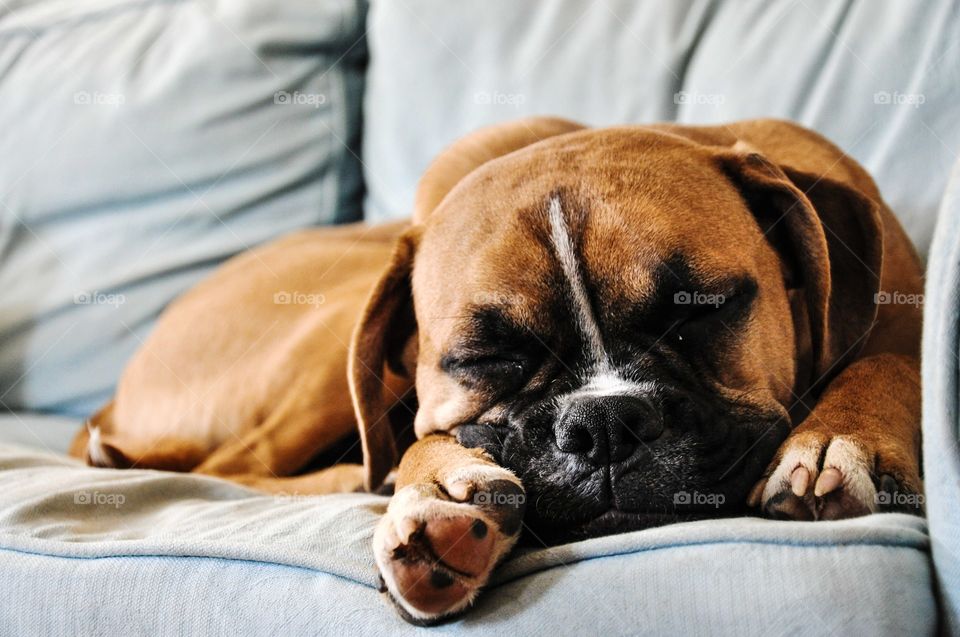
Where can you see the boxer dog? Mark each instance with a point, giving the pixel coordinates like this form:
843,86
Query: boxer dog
588,331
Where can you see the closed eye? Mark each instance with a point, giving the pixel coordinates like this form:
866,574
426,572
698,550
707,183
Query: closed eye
702,308
496,354
492,371
708,307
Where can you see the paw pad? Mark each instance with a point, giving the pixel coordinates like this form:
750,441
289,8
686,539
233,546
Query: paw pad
436,546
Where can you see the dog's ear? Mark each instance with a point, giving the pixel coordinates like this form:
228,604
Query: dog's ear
386,328
830,239
386,334
470,152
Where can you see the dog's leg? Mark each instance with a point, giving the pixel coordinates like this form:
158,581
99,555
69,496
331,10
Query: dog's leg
858,450
341,478
454,515
293,433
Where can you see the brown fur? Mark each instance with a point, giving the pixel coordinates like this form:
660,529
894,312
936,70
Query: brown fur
233,383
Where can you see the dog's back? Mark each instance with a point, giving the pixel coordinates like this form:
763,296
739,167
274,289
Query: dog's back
266,335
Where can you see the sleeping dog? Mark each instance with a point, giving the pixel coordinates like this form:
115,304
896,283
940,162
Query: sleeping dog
580,332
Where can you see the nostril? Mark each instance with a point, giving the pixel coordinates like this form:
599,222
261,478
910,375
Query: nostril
573,439
583,441
607,428
650,428
639,420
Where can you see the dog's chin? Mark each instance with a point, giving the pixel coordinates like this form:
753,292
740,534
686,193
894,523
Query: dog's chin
610,522
616,521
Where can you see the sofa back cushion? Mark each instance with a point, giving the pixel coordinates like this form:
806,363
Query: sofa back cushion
881,78
143,143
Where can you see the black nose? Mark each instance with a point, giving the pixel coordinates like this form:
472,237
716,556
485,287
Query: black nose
606,428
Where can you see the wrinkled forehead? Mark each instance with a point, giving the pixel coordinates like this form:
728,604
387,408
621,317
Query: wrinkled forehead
627,221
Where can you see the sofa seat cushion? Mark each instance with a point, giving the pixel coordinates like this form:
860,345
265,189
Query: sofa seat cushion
97,551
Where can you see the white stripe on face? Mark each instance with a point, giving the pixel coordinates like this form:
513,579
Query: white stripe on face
604,379
567,256
609,383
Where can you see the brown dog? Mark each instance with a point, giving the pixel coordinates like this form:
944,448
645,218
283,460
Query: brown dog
627,326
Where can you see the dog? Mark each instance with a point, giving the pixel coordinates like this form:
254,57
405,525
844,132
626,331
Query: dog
579,332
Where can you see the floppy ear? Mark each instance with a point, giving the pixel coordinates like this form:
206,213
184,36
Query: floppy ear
829,236
387,327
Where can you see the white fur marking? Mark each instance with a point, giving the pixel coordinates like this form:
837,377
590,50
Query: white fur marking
563,246
604,380
853,463
98,457
608,383
842,454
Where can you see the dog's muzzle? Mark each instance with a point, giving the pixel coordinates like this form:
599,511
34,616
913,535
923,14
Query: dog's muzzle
605,429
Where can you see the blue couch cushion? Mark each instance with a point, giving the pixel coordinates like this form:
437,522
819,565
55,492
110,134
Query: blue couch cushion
144,142
611,62
881,78
98,551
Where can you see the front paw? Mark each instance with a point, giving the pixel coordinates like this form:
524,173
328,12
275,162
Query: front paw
438,542
817,476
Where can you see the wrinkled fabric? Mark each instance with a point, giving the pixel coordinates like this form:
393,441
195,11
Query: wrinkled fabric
97,551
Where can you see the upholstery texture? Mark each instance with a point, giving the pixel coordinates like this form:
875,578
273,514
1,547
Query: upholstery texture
96,551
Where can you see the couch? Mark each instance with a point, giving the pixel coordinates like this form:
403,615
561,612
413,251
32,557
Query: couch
142,142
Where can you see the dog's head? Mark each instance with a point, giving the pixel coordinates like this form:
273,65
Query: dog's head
623,317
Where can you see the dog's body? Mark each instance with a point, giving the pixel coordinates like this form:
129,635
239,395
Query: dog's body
599,319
